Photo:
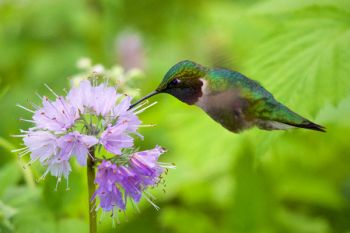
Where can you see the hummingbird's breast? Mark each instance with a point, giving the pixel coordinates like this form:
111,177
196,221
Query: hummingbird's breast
227,107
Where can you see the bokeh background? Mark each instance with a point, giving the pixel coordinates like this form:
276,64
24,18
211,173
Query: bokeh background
255,182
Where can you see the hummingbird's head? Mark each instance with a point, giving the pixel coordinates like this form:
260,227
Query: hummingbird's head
182,81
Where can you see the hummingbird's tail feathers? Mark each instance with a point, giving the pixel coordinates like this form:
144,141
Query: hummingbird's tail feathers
275,115
309,125
278,125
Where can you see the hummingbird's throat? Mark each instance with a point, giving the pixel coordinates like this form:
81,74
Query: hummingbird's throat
189,92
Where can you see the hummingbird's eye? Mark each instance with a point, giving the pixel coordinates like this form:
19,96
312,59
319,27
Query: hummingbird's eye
174,82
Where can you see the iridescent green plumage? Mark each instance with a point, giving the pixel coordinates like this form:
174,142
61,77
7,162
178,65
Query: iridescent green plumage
230,98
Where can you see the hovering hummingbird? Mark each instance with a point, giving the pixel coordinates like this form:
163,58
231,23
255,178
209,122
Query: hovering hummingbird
229,97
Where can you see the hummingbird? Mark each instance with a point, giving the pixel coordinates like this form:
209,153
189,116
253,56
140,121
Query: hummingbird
230,98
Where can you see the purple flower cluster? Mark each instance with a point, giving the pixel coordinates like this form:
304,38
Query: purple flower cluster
58,135
93,116
118,183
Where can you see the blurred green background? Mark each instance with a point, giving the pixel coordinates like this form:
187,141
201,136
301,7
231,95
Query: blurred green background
255,182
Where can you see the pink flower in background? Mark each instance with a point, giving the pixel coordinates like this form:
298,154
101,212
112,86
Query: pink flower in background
130,50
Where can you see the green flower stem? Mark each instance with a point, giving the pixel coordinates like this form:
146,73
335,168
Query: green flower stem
91,188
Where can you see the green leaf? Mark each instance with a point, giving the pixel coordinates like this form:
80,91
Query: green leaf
282,6
303,61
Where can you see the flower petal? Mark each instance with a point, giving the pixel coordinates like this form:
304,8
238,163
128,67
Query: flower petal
41,144
114,138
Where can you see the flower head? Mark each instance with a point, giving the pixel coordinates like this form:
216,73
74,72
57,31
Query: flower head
146,166
89,118
141,171
70,126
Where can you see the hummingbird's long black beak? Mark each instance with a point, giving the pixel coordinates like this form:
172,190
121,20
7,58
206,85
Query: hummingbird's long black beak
144,98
